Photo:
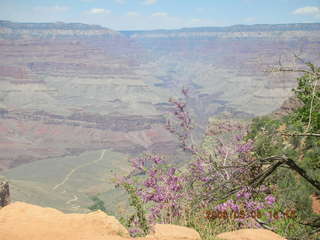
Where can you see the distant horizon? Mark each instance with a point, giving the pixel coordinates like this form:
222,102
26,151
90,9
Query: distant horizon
134,15
159,29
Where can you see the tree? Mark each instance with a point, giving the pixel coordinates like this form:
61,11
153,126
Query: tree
98,204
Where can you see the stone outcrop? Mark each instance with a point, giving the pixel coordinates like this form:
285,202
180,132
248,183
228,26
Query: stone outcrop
288,106
21,221
4,192
250,234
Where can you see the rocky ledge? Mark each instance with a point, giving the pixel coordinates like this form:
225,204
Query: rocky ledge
21,221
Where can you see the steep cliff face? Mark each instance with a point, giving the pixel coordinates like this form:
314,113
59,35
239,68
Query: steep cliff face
81,81
213,60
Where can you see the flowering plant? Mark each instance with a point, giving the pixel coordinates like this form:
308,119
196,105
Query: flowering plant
219,165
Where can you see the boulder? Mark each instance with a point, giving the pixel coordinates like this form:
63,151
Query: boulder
169,232
250,234
4,192
22,221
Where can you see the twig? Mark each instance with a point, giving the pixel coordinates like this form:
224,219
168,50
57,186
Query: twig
301,134
287,69
277,162
311,105
303,173
263,224
293,166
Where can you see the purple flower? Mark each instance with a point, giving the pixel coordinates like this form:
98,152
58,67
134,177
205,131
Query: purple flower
222,207
233,206
252,205
246,147
157,159
171,171
246,195
150,182
260,206
153,172
270,200
134,231
138,163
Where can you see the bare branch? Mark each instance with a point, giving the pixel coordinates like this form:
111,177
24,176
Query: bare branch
288,69
276,161
301,134
311,105
303,173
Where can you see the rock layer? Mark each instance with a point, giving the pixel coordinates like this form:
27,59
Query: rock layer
89,79
72,80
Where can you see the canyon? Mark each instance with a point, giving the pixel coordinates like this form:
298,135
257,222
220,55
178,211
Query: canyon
69,91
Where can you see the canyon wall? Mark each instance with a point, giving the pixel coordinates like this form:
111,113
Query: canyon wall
68,88
77,101
89,84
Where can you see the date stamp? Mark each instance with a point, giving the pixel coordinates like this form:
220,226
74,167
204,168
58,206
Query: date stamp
214,214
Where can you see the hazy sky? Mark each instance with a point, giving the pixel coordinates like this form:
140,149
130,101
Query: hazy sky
155,14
